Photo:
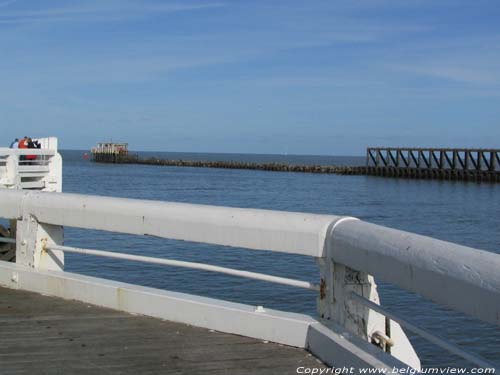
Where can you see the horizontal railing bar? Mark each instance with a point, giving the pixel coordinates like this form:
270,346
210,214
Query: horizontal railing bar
287,232
7,240
38,162
27,151
468,278
184,264
452,348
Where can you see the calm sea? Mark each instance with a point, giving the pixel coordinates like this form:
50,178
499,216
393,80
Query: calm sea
465,213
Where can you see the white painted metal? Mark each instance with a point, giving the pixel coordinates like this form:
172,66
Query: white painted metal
49,235
27,151
11,203
255,229
414,262
342,349
472,358
26,237
9,175
289,232
192,265
333,346
44,173
468,279
336,304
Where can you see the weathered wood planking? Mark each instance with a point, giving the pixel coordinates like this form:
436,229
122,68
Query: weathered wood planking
47,335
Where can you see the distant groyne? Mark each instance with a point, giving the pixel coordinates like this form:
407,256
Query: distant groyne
443,164
274,167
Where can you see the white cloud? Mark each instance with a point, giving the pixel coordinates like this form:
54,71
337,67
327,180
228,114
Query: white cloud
468,60
99,11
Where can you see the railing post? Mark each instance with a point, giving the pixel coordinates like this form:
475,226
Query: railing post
11,178
53,181
335,304
31,239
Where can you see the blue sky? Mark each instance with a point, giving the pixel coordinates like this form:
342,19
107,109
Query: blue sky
298,77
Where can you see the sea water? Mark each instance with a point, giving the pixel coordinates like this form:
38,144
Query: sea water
464,213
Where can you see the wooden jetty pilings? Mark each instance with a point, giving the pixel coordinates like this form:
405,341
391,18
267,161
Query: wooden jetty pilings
109,152
432,163
444,164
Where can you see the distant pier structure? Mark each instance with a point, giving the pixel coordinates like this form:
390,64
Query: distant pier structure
434,163
460,164
109,152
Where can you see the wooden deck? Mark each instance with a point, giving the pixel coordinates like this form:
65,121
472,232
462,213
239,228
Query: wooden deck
47,335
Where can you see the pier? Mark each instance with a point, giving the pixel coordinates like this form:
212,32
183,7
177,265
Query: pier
475,165
479,165
109,152
48,335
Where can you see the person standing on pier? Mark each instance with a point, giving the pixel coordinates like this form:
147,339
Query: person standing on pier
30,144
23,143
15,143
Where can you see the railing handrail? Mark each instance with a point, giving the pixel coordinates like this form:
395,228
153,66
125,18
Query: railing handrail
26,151
460,277
289,232
470,278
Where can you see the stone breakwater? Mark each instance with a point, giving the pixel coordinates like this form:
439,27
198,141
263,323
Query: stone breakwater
274,167
398,172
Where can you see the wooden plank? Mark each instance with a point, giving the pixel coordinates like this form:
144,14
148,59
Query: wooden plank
40,334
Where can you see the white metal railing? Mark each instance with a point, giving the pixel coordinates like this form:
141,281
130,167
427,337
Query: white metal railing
184,264
38,169
431,337
350,254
